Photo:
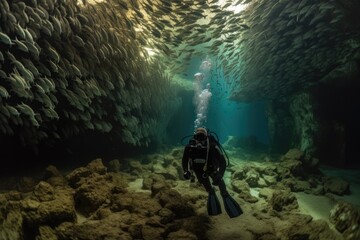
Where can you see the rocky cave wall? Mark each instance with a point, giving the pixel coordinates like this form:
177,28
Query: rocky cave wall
67,69
322,122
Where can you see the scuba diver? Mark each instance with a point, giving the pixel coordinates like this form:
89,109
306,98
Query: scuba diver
203,156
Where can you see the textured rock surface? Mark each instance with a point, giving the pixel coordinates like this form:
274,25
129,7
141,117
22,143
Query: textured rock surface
115,206
346,220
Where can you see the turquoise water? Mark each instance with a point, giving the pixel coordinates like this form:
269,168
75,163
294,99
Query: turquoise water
224,116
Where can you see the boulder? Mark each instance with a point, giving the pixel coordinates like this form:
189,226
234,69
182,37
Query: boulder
46,233
171,199
270,180
115,226
53,212
181,235
318,229
44,192
294,154
283,200
94,192
57,181
97,166
346,219
135,203
295,167
252,178
240,186
266,193
166,215
76,175
12,226
114,166
336,185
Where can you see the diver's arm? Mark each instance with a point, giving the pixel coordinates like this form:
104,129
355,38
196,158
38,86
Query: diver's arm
185,159
221,160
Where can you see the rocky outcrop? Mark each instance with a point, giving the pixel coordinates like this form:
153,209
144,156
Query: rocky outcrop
283,200
336,185
346,219
95,204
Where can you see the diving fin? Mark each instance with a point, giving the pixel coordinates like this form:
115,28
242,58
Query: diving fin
232,208
213,204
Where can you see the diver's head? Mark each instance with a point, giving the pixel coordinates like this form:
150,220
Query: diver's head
200,134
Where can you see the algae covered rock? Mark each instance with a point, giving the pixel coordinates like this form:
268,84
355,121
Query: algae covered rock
283,200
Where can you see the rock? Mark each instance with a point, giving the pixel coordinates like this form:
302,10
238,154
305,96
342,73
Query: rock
114,226
270,180
154,221
252,178
301,186
135,231
346,219
336,185
296,185
97,166
177,153
75,176
102,213
157,168
181,235
151,233
12,226
283,173
30,204
240,186
166,215
266,193
318,229
168,160
248,197
26,184
44,192
261,183
170,172
295,167
114,166
283,200
135,166
46,233
238,174
13,195
172,200
294,154
265,229
59,181
135,203
52,171
159,186
93,193
53,212
147,183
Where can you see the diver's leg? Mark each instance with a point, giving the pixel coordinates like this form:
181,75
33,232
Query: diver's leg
205,182
207,185
222,188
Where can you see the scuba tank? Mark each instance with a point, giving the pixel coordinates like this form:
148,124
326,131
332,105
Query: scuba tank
212,138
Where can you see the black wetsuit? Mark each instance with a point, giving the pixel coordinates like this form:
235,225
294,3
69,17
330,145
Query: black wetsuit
194,158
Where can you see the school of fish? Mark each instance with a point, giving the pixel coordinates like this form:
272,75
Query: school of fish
68,66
